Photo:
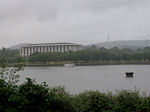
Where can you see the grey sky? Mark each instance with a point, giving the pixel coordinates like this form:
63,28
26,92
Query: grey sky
79,21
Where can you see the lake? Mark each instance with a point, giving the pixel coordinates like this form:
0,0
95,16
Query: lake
103,78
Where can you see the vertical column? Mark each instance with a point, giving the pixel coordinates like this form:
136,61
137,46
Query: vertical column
41,49
38,48
58,48
62,48
31,50
35,49
67,48
49,48
55,48
74,48
46,48
22,52
26,51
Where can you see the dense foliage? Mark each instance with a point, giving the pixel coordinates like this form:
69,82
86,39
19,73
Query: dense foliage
34,97
8,55
88,54
94,54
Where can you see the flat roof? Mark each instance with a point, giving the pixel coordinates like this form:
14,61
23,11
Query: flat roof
47,44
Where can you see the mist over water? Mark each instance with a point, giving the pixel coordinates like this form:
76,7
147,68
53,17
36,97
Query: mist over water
103,78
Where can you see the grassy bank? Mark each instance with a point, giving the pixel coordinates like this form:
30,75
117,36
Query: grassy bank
82,63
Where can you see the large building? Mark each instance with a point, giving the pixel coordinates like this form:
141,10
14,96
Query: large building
29,49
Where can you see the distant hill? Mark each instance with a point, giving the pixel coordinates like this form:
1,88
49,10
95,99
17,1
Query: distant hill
132,44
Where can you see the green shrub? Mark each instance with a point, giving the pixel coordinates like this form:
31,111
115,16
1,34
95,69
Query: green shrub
29,96
94,101
33,97
60,101
127,101
5,91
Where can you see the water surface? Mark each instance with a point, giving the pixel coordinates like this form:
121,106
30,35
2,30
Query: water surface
102,78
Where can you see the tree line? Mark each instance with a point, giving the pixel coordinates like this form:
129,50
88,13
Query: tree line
94,54
8,55
89,54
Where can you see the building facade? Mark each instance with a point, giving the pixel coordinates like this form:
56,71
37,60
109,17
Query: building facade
29,49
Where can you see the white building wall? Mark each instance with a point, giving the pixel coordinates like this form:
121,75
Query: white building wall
27,50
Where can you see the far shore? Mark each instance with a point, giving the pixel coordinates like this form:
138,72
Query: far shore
40,64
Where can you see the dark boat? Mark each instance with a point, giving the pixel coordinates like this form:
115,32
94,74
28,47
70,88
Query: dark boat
129,74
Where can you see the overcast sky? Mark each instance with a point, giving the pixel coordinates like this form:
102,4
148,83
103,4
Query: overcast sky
79,21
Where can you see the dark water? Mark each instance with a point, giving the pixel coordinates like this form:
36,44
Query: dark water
102,78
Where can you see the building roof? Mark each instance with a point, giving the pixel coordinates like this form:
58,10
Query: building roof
48,44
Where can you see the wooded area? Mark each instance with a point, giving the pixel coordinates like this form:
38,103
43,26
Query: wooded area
89,54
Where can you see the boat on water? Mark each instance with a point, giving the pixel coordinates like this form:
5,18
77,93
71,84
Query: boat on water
69,65
129,74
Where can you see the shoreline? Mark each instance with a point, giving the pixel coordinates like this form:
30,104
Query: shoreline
79,63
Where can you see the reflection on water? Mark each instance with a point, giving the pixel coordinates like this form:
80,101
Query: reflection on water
129,78
103,78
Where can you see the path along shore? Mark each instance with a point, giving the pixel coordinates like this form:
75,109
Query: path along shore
27,64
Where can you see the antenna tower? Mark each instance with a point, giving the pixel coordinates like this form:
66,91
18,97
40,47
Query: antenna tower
108,38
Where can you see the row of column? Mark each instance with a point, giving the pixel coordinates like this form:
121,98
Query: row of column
25,51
